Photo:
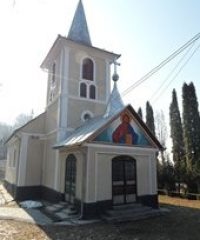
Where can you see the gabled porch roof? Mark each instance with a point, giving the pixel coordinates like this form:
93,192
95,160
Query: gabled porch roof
88,131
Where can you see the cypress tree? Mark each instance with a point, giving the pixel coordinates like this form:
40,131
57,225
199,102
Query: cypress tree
191,127
150,117
140,112
187,126
177,138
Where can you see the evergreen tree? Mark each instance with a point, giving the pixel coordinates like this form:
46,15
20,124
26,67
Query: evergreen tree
150,117
191,127
177,138
166,177
140,112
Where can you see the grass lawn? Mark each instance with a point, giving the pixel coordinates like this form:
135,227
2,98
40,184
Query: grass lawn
179,202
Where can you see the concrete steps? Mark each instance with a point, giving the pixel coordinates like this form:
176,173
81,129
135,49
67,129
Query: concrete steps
61,211
130,212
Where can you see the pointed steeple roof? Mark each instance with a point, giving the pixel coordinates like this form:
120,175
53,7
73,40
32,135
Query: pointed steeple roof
115,103
79,30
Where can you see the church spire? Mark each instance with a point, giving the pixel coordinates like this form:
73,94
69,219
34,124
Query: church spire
115,103
79,30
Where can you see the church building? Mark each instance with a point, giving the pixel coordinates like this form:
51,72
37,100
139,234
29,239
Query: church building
87,148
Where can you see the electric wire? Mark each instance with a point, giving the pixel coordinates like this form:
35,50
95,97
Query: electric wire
155,69
151,72
162,64
176,75
190,44
165,81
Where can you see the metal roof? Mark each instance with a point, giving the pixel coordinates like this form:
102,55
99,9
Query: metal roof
84,132
88,131
79,30
115,102
92,127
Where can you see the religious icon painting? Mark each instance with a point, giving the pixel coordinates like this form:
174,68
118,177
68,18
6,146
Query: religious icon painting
124,130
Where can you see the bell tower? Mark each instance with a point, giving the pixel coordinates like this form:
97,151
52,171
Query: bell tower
78,78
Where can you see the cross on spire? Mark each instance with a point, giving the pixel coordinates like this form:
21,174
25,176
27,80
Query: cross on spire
115,66
115,76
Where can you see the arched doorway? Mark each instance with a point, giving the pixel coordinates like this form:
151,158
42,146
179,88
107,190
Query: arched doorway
70,178
123,180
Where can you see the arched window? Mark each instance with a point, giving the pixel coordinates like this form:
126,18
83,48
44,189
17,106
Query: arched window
92,92
88,69
53,79
83,90
70,178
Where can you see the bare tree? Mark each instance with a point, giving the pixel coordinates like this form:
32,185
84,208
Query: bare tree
161,130
22,119
5,132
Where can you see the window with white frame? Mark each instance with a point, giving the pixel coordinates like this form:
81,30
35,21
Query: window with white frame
88,69
52,82
86,115
83,90
87,84
53,77
92,92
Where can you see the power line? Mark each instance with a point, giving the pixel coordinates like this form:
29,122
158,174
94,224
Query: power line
155,69
156,93
181,68
159,66
162,64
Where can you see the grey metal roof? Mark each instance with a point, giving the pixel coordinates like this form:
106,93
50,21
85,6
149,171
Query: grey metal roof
79,30
81,134
94,126
84,132
115,103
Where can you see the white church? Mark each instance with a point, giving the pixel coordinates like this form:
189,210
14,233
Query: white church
87,148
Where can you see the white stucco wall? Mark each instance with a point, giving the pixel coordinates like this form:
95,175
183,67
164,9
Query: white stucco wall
99,171
13,149
34,161
49,162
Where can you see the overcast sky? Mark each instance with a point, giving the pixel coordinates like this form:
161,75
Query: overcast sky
145,32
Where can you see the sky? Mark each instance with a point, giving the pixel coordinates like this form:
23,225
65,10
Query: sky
145,32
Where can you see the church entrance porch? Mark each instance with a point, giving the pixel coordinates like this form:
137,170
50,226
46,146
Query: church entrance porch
70,178
123,180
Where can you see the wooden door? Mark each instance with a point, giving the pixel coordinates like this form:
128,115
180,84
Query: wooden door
123,180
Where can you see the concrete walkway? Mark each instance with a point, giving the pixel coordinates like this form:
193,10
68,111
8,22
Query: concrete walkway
5,197
57,214
9,210
29,215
